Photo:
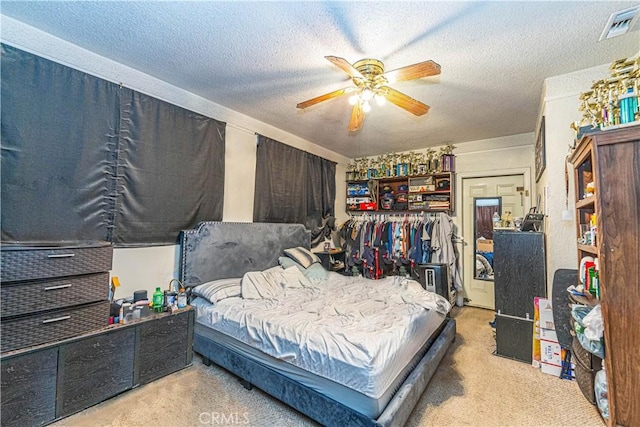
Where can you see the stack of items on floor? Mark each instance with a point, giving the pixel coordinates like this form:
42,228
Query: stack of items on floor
588,353
548,355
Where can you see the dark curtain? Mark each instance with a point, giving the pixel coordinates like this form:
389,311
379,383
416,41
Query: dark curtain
84,159
57,159
170,170
292,185
320,191
484,221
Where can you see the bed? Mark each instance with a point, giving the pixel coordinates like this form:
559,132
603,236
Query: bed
330,369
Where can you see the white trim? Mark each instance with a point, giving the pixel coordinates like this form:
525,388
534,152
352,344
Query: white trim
563,96
490,150
241,128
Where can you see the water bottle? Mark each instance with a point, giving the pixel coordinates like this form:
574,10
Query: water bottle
182,298
496,220
158,299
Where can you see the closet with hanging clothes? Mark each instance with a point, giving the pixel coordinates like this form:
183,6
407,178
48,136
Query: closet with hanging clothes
379,245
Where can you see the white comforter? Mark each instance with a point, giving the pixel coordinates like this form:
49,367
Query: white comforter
357,332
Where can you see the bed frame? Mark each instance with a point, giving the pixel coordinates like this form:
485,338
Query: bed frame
216,250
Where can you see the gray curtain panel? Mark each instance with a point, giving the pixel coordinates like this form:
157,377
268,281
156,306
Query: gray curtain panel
85,159
57,158
292,186
170,171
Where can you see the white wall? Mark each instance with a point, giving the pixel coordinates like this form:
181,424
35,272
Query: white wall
560,105
146,268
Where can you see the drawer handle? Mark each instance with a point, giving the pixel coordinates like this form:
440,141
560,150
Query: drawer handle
57,319
53,288
61,255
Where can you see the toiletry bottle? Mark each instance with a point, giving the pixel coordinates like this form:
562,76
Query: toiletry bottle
158,297
496,220
182,298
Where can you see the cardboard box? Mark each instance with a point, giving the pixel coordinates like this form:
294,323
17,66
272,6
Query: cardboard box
548,335
550,353
546,314
484,245
551,369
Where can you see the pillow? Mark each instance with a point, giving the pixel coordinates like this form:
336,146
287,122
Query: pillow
302,256
218,290
316,272
287,262
262,284
293,277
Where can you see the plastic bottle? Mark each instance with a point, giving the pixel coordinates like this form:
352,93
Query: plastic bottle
158,298
182,298
496,220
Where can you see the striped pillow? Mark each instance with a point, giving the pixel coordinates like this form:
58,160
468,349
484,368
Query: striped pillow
302,256
218,290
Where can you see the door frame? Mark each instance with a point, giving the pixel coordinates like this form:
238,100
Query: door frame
464,243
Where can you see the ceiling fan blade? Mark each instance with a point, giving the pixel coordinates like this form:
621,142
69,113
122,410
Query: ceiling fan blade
345,66
406,102
411,72
325,97
357,118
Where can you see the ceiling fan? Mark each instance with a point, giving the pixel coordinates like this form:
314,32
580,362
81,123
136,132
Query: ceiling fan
371,82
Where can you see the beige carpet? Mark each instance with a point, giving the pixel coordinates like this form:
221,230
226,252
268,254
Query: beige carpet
471,387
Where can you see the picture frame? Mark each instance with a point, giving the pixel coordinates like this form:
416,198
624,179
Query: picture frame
541,160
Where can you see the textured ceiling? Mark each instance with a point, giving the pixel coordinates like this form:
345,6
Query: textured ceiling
262,58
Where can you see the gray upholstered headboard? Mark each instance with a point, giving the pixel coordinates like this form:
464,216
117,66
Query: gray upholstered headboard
219,250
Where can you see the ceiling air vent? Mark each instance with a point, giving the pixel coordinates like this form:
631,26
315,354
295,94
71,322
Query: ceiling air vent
620,22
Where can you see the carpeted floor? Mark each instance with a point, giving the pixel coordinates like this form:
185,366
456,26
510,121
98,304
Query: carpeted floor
471,387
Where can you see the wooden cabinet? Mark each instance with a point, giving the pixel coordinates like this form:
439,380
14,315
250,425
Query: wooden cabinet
423,193
28,389
520,276
611,160
94,369
48,382
164,347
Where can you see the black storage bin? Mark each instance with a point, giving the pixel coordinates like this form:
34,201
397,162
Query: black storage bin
587,364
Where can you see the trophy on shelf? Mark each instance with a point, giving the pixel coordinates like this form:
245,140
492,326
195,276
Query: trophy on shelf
612,101
447,157
423,168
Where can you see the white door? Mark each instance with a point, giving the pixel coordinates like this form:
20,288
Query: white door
510,188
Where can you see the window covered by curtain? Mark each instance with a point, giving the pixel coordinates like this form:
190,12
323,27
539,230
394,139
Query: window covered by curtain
86,159
292,185
170,170
57,159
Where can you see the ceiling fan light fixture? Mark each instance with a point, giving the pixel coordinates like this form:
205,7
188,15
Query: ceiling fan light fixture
371,82
367,94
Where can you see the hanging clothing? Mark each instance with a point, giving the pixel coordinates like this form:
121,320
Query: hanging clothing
444,250
383,244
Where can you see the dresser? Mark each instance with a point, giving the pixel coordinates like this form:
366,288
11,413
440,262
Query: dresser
49,293
519,276
59,354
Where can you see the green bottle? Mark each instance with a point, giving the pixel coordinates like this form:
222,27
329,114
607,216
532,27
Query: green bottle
158,297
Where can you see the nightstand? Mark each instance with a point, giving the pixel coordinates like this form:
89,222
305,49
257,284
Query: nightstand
332,260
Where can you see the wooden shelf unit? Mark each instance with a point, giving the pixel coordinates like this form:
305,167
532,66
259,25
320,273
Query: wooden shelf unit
611,159
432,199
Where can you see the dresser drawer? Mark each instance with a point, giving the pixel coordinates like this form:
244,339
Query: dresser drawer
54,325
29,263
20,298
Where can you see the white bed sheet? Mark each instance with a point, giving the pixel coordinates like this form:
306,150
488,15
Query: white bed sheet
357,332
